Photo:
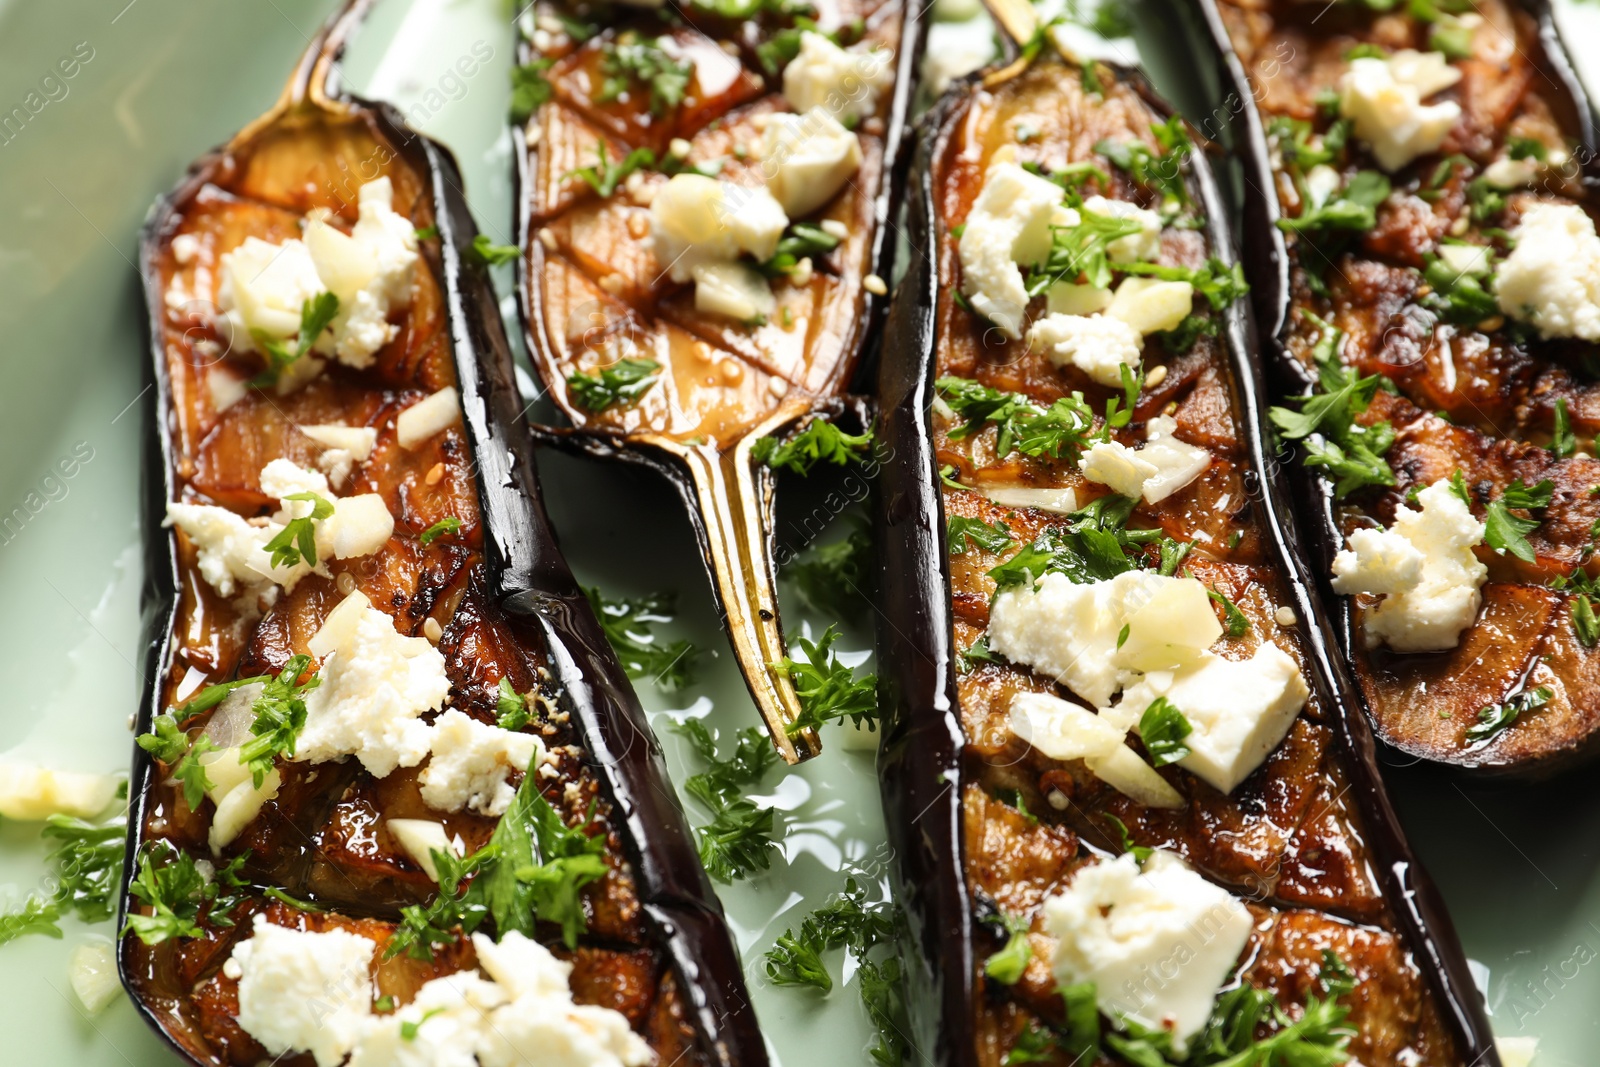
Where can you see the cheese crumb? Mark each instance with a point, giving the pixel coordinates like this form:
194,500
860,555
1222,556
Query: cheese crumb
1425,567
1098,345
304,990
1146,244
1383,100
471,762
1122,928
807,159
1160,468
1009,224
1551,279
845,84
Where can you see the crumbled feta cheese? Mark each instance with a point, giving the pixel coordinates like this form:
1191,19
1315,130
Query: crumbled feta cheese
471,762
92,970
1056,501
428,416
237,798
304,990
342,448
1432,590
1382,98
231,551
521,1015
1238,710
1146,244
1064,731
1009,224
1098,345
845,84
734,290
1551,279
1068,631
263,289
695,220
185,247
282,477
1151,305
31,793
1322,181
1508,173
374,686
1157,943
421,838
1161,467
807,159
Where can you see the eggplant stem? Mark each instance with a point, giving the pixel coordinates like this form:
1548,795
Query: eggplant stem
315,81
735,500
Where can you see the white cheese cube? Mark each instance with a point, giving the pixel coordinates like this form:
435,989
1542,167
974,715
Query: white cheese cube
31,793
1056,501
1177,463
375,686
1171,628
1068,632
1122,928
428,416
1117,466
1151,305
356,440
300,989
1009,224
1508,173
263,288
226,388
1069,298
1430,611
1238,710
359,526
1065,731
344,264
1382,98
92,970
421,838
733,290
807,159
1551,279
1144,245
696,220
843,83
1098,345
230,551
471,762
1377,561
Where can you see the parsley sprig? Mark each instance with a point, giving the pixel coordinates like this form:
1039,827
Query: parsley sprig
1006,966
1095,545
836,578
445,527
739,838
963,532
624,382
87,865
530,88
1496,717
828,690
297,541
1164,729
1505,532
280,715
1060,431
820,442
316,314
173,746
1348,451
1582,591
178,892
604,175
627,621
1162,171
630,61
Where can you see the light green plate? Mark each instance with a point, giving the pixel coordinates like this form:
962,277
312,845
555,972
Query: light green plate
168,79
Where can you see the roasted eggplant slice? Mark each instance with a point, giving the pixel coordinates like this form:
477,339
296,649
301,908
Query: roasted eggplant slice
1216,839
706,192
1424,269
381,716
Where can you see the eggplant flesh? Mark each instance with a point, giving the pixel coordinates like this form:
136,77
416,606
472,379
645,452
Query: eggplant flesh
594,292
494,595
984,824
1476,397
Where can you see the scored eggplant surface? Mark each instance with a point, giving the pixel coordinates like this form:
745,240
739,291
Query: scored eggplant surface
417,644
1421,218
705,191
1028,867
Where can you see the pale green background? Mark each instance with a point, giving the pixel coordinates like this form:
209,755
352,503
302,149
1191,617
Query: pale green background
168,80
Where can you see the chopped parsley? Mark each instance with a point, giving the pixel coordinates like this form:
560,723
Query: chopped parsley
1505,532
1235,622
820,442
1563,442
86,866
530,88
173,886
1458,296
964,532
827,689
280,715
492,254
1496,717
622,383
1061,431
1007,965
630,61
1141,853
627,621
316,314
845,921
1161,171
1081,250
445,527
603,176
1299,145
1351,453
739,838
803,240
172,746
836,578
1163,729
1582,590
510,706
297,541
1095,546
975,653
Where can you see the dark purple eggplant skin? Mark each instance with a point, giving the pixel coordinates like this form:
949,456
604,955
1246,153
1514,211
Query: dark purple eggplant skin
920,766
531,582
1266,259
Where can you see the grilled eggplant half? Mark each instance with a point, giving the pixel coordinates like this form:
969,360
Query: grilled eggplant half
331,386
1040,841
1434,261
706,192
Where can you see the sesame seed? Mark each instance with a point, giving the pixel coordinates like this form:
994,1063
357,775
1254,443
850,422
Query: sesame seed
547,239
612,283
638,225
777,387
1157,375
1057,799
835,228
1286,617
346,583
435,474
874,285
678,148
